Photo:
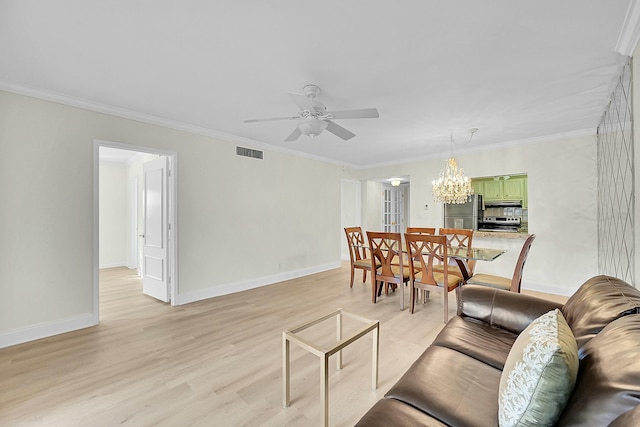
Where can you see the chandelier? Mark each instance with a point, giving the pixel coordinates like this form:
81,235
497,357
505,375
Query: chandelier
453,186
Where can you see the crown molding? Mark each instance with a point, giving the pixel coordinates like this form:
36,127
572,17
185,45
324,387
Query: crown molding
630,32
251,143
159,121
488,147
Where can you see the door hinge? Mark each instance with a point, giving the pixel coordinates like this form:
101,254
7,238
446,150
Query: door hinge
169,226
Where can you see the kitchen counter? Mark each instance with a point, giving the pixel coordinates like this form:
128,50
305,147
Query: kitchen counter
501,235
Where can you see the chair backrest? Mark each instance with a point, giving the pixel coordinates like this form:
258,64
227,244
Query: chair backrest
421,230
386,248
355,241
457,236
424,251
460,237
516,281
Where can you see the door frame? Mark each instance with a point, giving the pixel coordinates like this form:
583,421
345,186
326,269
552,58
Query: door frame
172,197
134,261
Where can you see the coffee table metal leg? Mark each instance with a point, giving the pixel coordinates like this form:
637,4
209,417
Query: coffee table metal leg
324,389
285,371
374,357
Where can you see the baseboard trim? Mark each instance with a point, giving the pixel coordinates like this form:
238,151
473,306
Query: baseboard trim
45,330
230,288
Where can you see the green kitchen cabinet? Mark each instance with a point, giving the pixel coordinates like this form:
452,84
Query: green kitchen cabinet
513,188
492,190
478,186
502,188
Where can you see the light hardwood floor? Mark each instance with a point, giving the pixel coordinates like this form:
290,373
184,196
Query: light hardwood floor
212,363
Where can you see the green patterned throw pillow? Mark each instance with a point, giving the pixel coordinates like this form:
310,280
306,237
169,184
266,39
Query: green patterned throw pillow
539,373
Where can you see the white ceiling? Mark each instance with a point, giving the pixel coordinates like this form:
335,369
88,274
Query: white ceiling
516,70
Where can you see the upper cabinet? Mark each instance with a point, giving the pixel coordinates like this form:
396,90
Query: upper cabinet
493,190
478,186
508,187
513,188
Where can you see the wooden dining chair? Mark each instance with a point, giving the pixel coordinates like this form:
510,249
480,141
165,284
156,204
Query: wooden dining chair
425,253
507,283
386,250
357,252
421,230
458,237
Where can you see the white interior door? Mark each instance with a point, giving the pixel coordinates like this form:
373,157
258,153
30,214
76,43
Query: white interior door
392,209
155,280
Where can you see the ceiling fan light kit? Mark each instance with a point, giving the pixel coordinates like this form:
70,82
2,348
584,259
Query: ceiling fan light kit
312,127
314,118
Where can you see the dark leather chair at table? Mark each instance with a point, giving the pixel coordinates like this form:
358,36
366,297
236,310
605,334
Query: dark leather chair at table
357,252
507,283
421,230
426,252
386,250
461,237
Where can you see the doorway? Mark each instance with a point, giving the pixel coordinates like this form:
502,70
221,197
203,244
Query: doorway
133,178
393,202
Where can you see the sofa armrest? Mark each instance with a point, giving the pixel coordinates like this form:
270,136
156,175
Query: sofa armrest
507,310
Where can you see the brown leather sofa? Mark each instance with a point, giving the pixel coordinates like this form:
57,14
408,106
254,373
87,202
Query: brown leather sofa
455,381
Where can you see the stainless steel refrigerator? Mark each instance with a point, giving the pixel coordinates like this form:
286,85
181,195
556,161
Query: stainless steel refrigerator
464,215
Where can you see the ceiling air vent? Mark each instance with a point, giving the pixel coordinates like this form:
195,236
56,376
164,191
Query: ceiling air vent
248,152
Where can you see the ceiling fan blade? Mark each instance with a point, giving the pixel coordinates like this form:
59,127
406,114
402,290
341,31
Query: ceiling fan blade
294,135
364,113
339,131
302,101
271,119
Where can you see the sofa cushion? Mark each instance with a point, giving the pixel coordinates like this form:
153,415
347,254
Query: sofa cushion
456,389
608,382
629,418
596,303
539,373
391,412
477,339
503,309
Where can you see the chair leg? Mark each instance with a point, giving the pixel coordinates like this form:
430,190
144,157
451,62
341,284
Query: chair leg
352,273
374,285
413,291
446,304
364,276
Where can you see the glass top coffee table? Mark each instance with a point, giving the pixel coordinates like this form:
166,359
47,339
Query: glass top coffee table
324,351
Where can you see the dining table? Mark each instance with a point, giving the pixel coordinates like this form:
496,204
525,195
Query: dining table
461,255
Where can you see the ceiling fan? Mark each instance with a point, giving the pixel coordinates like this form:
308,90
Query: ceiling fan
314,118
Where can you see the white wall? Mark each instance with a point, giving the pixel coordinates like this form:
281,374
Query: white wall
113,248
242,222
350,210
562,206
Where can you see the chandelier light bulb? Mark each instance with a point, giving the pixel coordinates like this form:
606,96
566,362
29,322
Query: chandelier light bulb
452,186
